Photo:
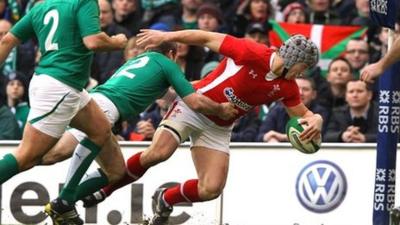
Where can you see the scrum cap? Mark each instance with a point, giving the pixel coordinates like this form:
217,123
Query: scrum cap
299,49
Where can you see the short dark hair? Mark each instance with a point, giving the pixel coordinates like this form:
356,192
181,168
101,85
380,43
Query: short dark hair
340,58
368,86
311,81
165,47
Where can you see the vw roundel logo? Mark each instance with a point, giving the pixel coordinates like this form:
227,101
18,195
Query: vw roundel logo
321,186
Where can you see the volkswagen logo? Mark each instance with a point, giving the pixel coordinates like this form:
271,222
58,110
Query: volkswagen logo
321,186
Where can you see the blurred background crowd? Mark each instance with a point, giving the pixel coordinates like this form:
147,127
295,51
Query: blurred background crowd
347,38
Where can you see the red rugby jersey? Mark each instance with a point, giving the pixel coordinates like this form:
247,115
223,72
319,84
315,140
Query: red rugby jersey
240,78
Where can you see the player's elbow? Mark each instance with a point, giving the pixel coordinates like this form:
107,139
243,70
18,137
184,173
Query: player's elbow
195,106
9,40
93,42
92,45
193,101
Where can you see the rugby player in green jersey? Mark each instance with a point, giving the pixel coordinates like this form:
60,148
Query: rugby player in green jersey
133,87
67,32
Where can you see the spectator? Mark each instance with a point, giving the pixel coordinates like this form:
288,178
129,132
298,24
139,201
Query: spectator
228,8
245,129
161,11
272,129
4,13
344,8
146,126
208,68
332,93
9,64
251,11
189,16
294,13
258,32
209,18
320,12
191,60
127,14
20,58
357,121
17,92
18,8
9,129
105,63
357,53
362,14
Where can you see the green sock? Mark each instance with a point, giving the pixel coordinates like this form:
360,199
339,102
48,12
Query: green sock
83,156
91,183
8,167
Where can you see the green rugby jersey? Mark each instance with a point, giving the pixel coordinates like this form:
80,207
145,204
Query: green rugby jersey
59,26
141,80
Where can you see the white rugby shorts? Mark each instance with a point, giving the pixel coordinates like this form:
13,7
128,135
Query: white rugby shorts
53,104
183,122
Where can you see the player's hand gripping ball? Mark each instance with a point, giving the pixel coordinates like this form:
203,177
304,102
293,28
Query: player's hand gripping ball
293,130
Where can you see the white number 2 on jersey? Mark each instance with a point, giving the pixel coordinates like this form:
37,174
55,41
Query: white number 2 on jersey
138,63
51,15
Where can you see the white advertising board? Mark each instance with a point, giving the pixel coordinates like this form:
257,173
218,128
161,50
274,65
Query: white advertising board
286,187
267,185
23,197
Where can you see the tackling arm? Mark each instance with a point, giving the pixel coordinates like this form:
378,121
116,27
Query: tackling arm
103,42
151,38
205,105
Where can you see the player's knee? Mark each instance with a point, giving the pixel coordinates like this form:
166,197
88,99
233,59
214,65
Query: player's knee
49,160
156,155
101,134
54,157
210,190
27,162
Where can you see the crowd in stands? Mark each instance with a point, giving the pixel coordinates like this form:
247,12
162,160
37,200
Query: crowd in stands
332,88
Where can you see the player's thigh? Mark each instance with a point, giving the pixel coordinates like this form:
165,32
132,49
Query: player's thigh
92,121
174,129
107,107
53,105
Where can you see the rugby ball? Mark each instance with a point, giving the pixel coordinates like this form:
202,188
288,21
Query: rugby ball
293,130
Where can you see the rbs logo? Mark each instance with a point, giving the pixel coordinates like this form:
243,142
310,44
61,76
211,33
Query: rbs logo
321,186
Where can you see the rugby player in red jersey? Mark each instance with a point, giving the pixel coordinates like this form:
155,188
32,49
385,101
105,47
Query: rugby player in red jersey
251,74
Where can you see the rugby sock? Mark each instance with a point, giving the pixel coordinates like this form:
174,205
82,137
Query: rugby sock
134,171
8,167
83,156
188,192
91,183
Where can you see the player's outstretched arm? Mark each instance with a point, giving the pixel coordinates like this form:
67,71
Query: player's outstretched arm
151,38
205,105
313,121
103,42
372,71
7,43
